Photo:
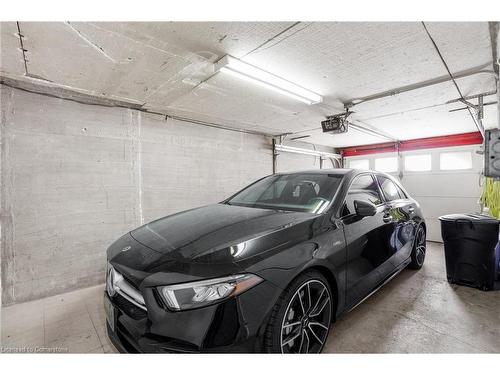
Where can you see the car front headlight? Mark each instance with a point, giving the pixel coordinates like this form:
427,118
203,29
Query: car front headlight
206,292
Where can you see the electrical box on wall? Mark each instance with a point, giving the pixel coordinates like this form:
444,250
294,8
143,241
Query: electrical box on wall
492,153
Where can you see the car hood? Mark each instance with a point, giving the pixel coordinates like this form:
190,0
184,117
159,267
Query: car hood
218,233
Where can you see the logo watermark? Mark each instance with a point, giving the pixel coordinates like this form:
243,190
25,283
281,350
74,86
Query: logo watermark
32,349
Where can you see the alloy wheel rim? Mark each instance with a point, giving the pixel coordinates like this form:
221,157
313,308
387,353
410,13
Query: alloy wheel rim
307,319
420,249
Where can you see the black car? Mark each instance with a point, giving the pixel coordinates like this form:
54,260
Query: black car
267,270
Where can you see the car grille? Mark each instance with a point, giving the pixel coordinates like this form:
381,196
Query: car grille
117,285
129,308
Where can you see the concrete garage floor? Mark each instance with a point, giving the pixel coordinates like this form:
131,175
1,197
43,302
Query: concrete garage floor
417,312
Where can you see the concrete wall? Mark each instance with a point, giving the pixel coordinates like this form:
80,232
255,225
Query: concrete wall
75,177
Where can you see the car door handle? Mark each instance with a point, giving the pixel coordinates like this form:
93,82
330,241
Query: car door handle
387,218
411,209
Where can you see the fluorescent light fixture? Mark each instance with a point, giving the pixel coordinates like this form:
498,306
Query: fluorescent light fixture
250,73
304,151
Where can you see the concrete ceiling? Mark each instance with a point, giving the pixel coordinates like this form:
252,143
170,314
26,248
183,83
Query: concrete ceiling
168,67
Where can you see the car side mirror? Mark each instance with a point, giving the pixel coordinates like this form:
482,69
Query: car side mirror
365,208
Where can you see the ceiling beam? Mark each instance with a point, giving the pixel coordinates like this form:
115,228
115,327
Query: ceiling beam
50,89
494,26
368,130
419,85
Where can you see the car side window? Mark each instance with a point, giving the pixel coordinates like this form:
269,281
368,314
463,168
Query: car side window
402,194
363,188
390,189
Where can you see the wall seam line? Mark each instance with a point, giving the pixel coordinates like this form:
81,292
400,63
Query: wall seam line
139,163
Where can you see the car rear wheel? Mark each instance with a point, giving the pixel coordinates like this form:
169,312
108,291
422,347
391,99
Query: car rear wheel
301,319
419,250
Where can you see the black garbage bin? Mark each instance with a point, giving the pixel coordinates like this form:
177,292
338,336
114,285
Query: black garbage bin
469,246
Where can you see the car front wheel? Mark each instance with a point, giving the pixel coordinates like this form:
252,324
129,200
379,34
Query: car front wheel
301,319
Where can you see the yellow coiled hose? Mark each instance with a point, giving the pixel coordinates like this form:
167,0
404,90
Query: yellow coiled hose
491,196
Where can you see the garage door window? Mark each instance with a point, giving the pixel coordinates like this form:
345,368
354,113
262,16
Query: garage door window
386,164
418,163
452,161
359,164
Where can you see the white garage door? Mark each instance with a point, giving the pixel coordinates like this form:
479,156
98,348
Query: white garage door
442,180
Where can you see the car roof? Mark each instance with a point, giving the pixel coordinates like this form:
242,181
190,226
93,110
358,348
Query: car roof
345,173
339,171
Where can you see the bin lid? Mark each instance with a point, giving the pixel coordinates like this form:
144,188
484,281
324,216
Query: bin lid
475,218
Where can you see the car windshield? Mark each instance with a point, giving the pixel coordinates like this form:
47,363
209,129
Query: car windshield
304,192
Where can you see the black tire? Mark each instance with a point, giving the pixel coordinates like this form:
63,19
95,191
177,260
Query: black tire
305,308
419,249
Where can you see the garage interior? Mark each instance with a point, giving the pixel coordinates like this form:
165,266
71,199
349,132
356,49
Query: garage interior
108,126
